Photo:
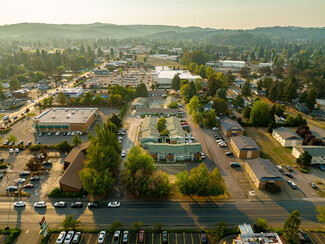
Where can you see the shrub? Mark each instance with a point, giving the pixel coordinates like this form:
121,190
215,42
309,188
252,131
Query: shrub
35,147
272,188
3,165
57,193
116,225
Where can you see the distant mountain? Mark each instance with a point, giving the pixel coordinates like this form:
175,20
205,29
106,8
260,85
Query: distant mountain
40,31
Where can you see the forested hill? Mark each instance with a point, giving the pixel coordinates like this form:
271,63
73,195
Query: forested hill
39,31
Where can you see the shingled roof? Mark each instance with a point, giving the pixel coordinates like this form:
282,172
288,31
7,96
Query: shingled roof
287,134
229,124
264,169
245,143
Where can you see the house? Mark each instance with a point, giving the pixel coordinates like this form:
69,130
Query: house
247,236
302,108
176,133
232,64
244,147
44,87
263,171
286,137
139,103
158,111
317,153
230,127
20,93
149,132
74,163
175,152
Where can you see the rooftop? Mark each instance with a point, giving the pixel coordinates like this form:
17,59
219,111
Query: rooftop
287,133
174,148
71,90
264,169
139,100
67,115
174,127
230,124
245,143
232,61
314,151
183,74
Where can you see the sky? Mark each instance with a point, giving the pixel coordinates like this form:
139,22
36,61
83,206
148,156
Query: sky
227,14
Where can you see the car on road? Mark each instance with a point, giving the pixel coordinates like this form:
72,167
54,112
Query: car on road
288,174
114,204
19,204
57,133
76,205
234,164
313,185
203,155
34,178
69,237
141,236
60,204
40,204
289,168
215,129
12,188
116,238
11,151
292,184
25,173
123,154
101,237
125,238
164,237
321,167
28,186
77,237
203,237
61,237
93,205
229,154
28,143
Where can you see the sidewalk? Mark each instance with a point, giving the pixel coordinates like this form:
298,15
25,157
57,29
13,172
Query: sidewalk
29,236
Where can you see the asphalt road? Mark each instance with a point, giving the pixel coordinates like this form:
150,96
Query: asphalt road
184,214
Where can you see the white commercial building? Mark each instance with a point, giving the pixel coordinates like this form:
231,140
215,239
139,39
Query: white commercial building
317,153
232,64
265,65
72,92
286,137
164,77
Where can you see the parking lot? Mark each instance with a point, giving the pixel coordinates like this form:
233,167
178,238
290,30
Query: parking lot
152,238
316,238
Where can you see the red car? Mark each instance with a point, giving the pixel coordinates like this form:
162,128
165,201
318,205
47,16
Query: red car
28,186
184,123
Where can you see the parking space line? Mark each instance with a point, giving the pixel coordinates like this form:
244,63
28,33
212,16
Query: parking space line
89,238
105,238
323,235
176,237
152,238
82,236
200,238
318,238
136,240
192,237
184,237
159,239
311,238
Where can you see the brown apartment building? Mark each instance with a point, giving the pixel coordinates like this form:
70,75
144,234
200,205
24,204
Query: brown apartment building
244,147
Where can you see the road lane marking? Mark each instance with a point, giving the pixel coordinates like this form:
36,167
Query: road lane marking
200,239
27,231
192,237
82,236
184,237
318,238
89,239
176,237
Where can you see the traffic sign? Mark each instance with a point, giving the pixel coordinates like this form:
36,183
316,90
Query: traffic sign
42,221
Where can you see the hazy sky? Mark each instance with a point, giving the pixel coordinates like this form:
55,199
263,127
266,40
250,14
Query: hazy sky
233,14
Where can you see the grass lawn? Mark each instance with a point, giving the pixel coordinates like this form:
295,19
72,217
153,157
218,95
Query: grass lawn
163,62
271,149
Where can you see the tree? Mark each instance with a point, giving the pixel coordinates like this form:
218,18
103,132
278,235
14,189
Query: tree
34,164
115,119
304,159
161,124
311,98
197,117
12,138
221,227
39,75
200,182
64,146
291,226
188,91
220,105
62,98
244,72
14,84
141,90
69,223
157,226
115,225
238,101
321,214
260,114
194,105
137,225
176,81
210,118
222,93
173,105
76,140
246,90
260,225
247,112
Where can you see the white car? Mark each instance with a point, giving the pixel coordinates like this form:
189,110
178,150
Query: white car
123,154
20,204
203,155
20,180
220,140
57,133
114,204
16,150
40,204
215,129
69,237
69,133
11,151
72,133
120,138
61,237
101,237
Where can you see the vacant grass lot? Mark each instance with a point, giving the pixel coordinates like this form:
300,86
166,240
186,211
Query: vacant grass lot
271,149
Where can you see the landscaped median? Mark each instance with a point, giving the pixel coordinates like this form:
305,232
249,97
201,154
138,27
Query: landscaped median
9,236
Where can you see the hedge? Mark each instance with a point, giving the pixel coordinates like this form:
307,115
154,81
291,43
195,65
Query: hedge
13,234
57,193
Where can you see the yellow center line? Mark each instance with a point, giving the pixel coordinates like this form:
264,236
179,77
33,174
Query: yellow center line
89,239
152,238
318,238
192,237
184,237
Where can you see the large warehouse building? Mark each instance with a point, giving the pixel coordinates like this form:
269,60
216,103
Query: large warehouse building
165,77
65,119
232,64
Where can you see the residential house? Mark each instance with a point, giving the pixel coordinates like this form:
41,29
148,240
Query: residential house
286,137
263,171
302,108
149,132
230,127
20,93
244,147
317,153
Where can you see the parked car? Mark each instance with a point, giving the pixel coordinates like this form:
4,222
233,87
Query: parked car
114,204
61,237
77,237
313,185
321,167
60,204
76,205
289,168
72,133
49,134
20,142
19,204
28,186
141,236
164,237
229,154
64,133
69,237
20,180
6,142
41,134
93,205
222,144
279,168
116,238
11,151
125,236
34,178
28,143
12,188
203,237
57,133
40,204
203,155
25,173
304,234
288,174
234,164
16,150
47,163
292,184
123,154
215,129
101,237
11,143
68,133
